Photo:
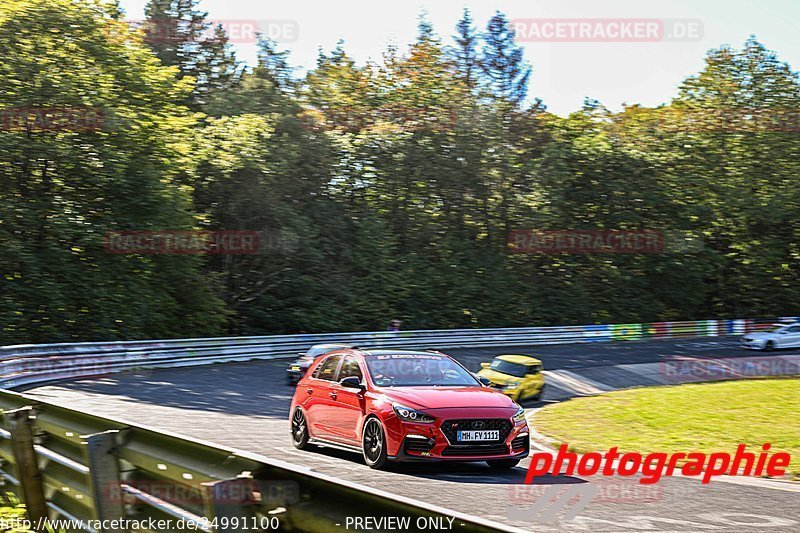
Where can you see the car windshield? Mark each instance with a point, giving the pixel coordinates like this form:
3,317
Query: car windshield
512,369
408,370
775,328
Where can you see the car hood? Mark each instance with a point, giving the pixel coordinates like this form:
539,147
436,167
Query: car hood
498,378
448,397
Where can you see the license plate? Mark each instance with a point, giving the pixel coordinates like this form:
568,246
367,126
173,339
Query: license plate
296,368
492,434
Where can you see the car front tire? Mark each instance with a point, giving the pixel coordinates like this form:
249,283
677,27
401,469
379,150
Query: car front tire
538,396
299,430
769,346
373,444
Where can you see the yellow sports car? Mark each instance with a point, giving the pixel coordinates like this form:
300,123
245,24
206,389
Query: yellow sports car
518,376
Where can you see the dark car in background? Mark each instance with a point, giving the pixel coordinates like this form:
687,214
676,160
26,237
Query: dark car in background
297,368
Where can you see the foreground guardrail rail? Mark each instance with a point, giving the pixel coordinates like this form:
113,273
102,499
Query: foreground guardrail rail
109,476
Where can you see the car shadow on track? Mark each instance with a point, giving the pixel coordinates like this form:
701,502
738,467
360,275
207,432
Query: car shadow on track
460,472
479,473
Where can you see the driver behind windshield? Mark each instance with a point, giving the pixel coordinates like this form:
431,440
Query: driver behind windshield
405,370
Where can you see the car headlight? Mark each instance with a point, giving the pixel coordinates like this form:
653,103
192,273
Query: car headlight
512,386
411,415
520,416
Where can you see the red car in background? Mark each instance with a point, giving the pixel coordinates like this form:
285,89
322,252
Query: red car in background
400,405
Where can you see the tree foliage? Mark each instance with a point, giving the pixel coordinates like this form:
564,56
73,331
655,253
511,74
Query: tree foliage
180,35
385,190
64,189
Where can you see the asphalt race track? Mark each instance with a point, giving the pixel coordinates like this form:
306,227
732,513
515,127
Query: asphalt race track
246,406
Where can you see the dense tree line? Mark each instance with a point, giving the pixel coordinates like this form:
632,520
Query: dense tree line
392,187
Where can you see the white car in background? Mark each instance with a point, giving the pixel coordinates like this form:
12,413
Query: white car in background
774,337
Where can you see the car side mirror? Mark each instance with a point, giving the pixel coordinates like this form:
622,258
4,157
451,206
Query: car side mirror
352,382
782,332
486,382
486,365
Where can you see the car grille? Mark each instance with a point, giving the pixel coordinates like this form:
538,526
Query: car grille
450,427
476,449
520,442
418,445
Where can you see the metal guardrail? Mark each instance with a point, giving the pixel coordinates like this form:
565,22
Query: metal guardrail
27,364
77,466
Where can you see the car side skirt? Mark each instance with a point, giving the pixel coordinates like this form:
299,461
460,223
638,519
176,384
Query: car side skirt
322,443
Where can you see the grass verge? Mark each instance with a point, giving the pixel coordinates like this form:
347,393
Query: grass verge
704,417
11,512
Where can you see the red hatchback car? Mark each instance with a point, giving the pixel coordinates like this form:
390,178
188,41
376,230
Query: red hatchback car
399,405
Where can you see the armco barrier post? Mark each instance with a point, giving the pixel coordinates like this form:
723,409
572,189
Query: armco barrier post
226,503
104,478
20,424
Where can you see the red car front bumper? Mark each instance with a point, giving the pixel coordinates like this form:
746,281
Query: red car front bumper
438,441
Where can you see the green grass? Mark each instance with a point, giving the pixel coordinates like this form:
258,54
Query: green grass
704,417
11,511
